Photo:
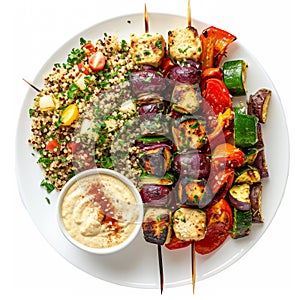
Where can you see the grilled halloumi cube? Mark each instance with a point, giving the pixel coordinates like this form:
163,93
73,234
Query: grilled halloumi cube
189,224
156,161
147,49
185,99
189,134
156,225
184,43
193,192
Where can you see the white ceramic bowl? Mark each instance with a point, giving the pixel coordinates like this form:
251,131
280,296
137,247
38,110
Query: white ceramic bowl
139,207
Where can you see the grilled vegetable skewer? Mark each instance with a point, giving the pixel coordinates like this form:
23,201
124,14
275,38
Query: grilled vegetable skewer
156,224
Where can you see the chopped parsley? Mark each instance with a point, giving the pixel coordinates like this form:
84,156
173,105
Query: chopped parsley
74,58
184,50
72,90
158,44
49,186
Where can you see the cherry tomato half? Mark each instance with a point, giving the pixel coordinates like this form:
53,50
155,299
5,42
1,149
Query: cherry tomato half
89,49
52,145
177,243
83,68
97,61
216,95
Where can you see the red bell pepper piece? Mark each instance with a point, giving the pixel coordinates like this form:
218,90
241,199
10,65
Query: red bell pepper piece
214,44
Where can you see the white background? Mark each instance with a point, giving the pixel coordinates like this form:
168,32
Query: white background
30,32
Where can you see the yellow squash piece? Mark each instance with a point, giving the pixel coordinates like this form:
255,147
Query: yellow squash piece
69,115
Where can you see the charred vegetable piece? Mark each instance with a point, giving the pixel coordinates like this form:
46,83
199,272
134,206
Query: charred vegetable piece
156,161
260,141
250,154
220,182
156,225
185,74
149,111
248,175
192,164
189,224
255,199
216,95
194,193
159,126
155,195
239,196
185,99
167,179
242,222
261,164
189,134
227,153
234,76
147,81
245,134
214,44
258,104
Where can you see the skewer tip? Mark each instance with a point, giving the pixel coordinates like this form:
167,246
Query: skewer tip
161,270
30,84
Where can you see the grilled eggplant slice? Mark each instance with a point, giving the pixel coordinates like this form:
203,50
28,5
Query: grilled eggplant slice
185,99
192,164
189,134
261,164
156,161
150,110
189,224
157,126
239,196
242,222
248,175
194,193
258,104
255,199
156,225
155,195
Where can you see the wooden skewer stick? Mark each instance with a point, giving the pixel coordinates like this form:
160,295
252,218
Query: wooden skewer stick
193,255
193,251
159,254
146,19
189,18
161,269
38,90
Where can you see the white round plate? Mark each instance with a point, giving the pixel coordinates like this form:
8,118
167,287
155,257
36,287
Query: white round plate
137,265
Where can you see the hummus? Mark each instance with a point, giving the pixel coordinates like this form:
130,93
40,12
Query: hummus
99,211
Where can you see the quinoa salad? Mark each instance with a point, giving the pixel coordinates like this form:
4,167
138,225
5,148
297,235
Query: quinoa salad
79,111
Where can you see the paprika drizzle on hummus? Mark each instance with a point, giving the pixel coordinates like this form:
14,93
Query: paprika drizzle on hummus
99,211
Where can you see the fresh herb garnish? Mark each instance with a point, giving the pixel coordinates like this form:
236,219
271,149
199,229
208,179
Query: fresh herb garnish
49,186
